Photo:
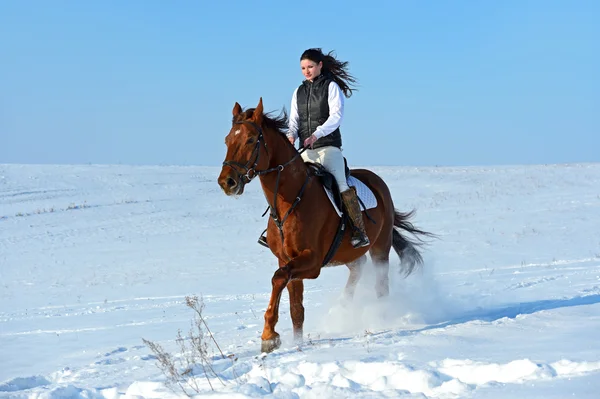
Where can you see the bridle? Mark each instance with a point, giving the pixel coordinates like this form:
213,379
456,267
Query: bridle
251,172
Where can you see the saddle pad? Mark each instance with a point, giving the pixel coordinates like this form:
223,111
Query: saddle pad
364,193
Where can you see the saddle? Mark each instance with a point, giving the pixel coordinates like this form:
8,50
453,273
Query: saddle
329,182
331,187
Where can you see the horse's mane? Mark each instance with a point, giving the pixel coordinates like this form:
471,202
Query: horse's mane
279,123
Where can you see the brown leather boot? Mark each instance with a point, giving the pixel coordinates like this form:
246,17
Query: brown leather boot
359,236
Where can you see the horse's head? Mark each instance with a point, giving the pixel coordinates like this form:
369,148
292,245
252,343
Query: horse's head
245,144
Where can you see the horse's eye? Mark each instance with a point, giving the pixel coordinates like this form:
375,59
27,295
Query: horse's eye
250,141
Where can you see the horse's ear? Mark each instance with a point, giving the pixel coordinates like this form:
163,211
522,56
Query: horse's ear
237,109
258,112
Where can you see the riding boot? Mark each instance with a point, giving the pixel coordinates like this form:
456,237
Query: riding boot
359,236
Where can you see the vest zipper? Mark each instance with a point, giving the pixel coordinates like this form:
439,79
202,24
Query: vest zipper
308,108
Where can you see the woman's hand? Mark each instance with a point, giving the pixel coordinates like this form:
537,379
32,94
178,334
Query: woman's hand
310,141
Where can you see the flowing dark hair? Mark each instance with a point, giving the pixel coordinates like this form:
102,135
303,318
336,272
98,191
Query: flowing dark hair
338,69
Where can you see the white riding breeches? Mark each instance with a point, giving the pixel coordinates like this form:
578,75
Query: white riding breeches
332,159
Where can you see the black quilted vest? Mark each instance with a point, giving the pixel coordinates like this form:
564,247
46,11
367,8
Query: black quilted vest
313,111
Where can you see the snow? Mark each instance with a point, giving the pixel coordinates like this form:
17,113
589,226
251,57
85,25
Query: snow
95,258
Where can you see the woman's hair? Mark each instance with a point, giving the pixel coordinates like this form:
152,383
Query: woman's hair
338,69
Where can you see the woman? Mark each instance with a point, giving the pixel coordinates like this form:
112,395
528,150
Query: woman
316,115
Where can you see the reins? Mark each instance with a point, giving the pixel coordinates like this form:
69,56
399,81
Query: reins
251,172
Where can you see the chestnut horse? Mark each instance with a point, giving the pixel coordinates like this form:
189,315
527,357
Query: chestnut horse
303,222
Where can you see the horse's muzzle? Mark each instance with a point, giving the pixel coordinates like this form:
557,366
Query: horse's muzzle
231,184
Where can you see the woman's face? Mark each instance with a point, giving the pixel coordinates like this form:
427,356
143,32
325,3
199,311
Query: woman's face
310,69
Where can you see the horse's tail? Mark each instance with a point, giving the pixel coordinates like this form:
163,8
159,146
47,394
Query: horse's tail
407,249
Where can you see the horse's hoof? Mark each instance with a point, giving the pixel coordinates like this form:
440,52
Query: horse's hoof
269,345
346,301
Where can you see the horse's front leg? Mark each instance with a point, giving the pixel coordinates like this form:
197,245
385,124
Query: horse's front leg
296,291
270,338
300,267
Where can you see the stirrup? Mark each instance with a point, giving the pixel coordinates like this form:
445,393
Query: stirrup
358,238
262,240
359,242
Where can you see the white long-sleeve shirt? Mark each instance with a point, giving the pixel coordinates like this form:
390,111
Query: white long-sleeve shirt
335,99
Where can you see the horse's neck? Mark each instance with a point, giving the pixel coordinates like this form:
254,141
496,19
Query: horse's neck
291,178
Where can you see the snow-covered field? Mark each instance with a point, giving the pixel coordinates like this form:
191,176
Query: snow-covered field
95,258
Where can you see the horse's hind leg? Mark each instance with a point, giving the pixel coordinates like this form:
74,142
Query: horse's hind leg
355,268
296,291
381,261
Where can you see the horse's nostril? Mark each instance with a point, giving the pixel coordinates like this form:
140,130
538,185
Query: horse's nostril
230,182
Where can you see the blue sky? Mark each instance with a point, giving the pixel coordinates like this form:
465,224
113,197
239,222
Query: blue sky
441,83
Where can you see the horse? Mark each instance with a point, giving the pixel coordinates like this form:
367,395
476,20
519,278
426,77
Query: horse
303,222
